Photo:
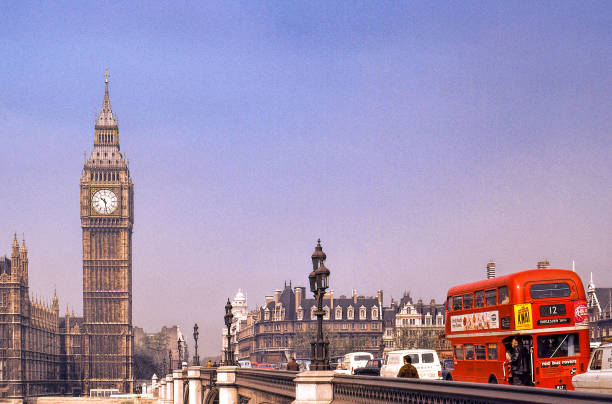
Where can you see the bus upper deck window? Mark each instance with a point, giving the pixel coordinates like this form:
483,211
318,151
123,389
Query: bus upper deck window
457,302
467,301
479,301
548,290
491,297
503,295
449,304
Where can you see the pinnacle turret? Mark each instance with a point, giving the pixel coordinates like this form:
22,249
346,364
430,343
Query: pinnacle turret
106,127
106,117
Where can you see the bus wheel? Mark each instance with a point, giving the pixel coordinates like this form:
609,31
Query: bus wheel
492,379
449,378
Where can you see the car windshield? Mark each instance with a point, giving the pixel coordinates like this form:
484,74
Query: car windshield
362,358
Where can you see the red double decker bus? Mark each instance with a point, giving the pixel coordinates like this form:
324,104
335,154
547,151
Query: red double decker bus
545,309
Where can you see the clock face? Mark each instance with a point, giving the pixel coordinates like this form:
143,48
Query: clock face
104,201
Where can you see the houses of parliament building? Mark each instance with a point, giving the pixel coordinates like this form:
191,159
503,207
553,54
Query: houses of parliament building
45,353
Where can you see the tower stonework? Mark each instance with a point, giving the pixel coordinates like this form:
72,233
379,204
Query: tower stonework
107,217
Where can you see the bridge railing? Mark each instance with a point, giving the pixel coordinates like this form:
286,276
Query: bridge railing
278,383
365,389
232,385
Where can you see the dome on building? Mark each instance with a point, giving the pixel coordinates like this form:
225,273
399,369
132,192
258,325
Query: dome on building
240,298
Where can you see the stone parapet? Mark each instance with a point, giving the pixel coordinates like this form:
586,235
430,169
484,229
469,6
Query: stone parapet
314,387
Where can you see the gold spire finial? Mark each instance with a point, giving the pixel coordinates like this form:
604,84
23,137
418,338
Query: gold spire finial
106,75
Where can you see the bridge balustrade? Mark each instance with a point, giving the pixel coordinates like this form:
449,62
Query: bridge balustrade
233,385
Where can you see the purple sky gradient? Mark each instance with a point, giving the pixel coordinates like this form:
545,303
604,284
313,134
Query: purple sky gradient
417,140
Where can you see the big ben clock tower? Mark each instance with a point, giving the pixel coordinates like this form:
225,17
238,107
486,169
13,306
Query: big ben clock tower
107,217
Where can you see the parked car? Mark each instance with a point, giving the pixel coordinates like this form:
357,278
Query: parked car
354,360
372,368
424,360
447,368
265,366
244,363
598,377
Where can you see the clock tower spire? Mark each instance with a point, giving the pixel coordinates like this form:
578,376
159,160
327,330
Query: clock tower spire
107,218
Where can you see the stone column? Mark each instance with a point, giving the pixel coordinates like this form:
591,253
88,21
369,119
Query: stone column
177,375
195,384
154,386
314,387
169,390
226,383
161,391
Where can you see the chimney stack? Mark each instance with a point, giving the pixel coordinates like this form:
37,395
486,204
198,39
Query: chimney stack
354,296
269,299
490,270
543,264
277,294
298,297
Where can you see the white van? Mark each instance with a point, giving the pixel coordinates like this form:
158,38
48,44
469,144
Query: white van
354,360
425,361
598,377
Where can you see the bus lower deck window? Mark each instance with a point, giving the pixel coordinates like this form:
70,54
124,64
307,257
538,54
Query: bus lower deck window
480,352
469,351
492,352
458,352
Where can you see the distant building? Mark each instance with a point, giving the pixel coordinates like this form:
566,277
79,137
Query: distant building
419,325
286,324
162,346
599,304
240,312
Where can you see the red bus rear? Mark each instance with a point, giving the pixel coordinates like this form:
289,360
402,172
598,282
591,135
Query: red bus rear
544,309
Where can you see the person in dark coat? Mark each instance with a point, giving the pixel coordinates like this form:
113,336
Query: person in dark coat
520,363
408,370
293,365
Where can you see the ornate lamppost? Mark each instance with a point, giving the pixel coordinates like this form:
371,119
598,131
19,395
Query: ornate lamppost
319,281
169,361
180,352
229,354
196,358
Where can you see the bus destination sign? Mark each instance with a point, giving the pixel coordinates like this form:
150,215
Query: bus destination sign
552,310
554,321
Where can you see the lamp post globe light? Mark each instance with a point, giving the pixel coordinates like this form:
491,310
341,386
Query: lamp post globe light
196,357
319,282
229,354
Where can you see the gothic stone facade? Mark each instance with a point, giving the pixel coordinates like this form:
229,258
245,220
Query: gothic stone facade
42,353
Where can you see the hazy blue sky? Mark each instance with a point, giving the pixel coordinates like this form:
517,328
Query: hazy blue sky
418,140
